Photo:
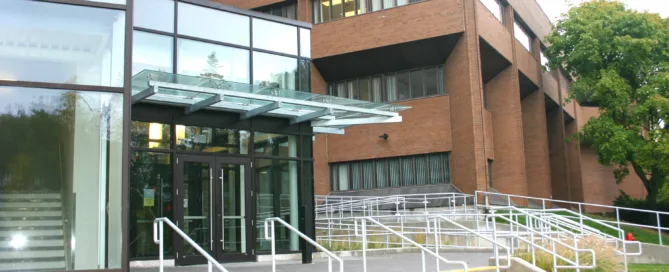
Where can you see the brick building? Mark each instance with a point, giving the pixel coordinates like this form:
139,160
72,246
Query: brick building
491,116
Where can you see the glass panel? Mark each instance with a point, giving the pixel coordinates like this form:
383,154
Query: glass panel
337,10
343,177
368,174
151,52
62,149
150,135
388,4
341,89
269,144
364,89
305,42
440,80
417,83
394,170
196,178
150,198
376,5
362,6
219,140
494,7
334,182
349,8
353,89
391,90
421,170
305,75
234,207
213,61
403,89
402,2
431,82
544,61
274,36
209,24
325,10
522,36
408,172
291,10
436,170
376,89
355,176
154,14
277,197
381,174
57,43
447,169
274,70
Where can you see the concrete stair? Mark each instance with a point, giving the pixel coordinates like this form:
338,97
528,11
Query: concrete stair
36,220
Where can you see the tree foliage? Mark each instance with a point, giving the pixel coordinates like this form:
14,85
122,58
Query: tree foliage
619,60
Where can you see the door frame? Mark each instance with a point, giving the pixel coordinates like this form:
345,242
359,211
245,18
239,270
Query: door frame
215,196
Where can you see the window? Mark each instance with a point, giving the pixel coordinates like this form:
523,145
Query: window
277,183
490,173
154,14
495,7
392,86
326,10
274,36
67,147
56,43
209,24
544,61
210,60
305,42
412,170
287,9
522,36
268,144
212,140
150,135
151,52
274,70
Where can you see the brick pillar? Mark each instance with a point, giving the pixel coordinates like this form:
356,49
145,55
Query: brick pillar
574,160
557,153
462,74
504,104
537,162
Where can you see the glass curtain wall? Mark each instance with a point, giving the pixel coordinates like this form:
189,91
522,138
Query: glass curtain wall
61,149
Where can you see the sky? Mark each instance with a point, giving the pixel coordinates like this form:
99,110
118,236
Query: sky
553,8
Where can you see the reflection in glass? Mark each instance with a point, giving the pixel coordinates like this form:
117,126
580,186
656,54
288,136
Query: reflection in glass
154,14
213,24
349,8
364,89
219,140
305,75
57,43
305,42
234,208
277,197
151,52
274,70
325,11
150,135
150,198
403,89
274,36
337,10
196,205
269,144
64,148
213,61
417,83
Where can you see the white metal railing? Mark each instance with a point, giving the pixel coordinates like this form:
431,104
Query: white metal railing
582,208
270,231
423,249
158,239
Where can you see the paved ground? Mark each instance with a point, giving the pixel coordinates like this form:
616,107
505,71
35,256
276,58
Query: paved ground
402,262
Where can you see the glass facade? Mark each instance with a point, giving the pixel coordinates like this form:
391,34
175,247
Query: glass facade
403,85
412,170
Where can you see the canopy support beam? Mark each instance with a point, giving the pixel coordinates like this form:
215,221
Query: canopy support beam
260,110
204,103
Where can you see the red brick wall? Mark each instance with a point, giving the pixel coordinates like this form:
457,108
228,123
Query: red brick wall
494,32
537,163
422,20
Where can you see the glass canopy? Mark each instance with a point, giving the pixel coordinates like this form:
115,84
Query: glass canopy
327,114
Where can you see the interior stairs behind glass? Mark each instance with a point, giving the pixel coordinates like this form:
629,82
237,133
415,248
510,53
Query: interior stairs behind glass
31,232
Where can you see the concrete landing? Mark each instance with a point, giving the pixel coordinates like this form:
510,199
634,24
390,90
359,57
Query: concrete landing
402,262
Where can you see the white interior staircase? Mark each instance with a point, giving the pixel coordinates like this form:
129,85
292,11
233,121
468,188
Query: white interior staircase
31,232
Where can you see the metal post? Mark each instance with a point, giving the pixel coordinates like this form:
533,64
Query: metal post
329,264
530,221
273,247
494,238
659,227
422,256
364,245
576,253
437,241
580,212
160,248
209,266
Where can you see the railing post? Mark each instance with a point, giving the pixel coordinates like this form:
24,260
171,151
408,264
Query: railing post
160,247
530,222
576,252
273,242
494,238
580,212
618,221
437,239
209,268
364,245
659,227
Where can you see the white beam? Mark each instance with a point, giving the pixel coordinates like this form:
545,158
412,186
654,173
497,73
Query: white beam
204,103
144,94
327,130
311,116
356,121
260,110
270,98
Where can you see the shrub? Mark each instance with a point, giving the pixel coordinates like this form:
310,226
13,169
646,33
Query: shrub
624,200
605,255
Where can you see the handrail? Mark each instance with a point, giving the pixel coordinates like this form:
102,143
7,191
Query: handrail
493,241
271,220
158,239
423,249
553,241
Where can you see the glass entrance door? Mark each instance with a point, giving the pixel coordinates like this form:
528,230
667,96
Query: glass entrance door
213,198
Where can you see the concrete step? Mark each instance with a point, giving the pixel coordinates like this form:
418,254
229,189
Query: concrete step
30,204
34,243
31,223
31,254
45,196
31,233
32,266
31,214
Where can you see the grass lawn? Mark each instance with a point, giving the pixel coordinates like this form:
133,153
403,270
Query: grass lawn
648,267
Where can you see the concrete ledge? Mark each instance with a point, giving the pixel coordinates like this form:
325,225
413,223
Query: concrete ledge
517,265
650,254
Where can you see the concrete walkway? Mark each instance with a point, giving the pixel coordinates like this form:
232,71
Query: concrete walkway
402,262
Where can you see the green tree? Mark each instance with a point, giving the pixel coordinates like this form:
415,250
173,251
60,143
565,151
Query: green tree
619,59
214,65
